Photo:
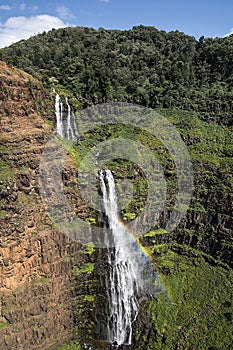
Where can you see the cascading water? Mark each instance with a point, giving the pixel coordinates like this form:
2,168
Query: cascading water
122,282
71,125
59,115
66,125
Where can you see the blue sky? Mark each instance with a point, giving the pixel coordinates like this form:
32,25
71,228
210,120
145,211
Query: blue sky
21,19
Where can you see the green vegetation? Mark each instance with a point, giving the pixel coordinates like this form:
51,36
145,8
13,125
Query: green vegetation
211,150
40,280
3,324
6,173
143,65
179,315
194,310
160,231
4,310
91,220
129,216
85,268
90,298
72,346
3,213
88,249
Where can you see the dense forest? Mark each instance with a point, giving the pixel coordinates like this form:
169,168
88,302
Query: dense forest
142,65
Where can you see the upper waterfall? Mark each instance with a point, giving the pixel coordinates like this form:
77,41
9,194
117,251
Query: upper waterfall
59,115
66,125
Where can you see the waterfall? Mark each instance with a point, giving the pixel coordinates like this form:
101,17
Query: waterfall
59,115
70,132
66,125
71,123
122,280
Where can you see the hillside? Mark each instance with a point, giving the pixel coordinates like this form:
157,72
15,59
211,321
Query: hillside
142,65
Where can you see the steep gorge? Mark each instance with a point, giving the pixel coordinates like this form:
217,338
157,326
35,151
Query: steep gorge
47,282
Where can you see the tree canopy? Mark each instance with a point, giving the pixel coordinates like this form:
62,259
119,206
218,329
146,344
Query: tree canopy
142,65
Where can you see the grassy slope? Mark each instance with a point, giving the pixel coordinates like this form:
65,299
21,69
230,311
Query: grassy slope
195,309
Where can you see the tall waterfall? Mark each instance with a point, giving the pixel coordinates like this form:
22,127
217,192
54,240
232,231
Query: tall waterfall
59,115
71,123
66,125
122,281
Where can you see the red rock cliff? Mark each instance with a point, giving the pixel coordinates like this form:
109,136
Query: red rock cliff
35,263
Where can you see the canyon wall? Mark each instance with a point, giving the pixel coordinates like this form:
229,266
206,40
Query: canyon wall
36,261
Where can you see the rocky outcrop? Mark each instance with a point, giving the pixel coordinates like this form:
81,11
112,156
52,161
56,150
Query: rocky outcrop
36,261
208,223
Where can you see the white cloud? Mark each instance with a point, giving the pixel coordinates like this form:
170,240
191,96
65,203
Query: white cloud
64,13
104,1
5,7
17,28
231,32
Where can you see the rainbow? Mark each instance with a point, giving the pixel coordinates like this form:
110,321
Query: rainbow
149,258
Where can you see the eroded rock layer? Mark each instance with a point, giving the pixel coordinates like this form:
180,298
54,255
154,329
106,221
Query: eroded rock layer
35,259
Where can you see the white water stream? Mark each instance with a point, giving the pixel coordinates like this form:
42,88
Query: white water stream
124,275
66,125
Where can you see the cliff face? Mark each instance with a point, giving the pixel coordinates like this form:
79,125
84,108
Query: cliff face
35,263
